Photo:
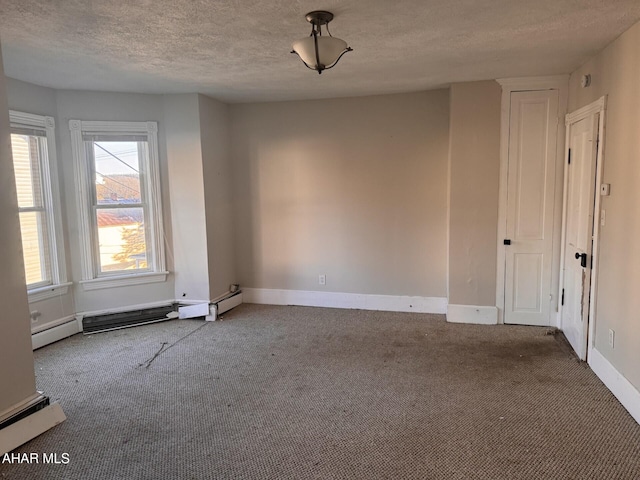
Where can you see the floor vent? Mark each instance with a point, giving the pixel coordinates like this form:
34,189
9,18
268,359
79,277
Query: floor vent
113,321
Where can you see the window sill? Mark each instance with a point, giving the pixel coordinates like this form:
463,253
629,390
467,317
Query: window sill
49,291
123,280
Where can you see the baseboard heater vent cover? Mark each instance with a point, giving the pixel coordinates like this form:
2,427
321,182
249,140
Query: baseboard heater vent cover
38,404
229,302
113,321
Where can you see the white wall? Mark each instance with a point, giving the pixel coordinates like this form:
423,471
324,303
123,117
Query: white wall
352,188
186,184
17,378
63,106
25,97
218,193
203,247
83,105
29,98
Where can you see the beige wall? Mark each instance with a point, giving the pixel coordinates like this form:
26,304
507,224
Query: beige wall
218,194
474,158
17,378
615,72
352,188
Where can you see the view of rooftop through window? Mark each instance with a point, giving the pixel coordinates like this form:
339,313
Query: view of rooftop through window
119,205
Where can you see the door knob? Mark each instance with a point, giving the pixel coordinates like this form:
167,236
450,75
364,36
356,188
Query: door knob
583,259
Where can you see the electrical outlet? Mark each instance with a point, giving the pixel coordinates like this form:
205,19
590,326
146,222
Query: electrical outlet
322,279
612,338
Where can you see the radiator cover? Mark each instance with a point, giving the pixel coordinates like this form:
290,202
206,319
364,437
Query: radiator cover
112,321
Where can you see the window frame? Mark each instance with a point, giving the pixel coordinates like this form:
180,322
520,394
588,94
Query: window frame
92,279
51,204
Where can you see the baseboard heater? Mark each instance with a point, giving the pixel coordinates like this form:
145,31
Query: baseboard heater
212,311
229,302
37,404
114,321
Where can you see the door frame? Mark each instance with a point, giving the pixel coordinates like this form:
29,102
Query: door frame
599,107
523,84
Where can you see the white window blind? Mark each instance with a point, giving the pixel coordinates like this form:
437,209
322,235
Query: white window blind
27,154
33,151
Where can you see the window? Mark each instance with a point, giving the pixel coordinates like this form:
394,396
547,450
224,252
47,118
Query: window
119,202
33,150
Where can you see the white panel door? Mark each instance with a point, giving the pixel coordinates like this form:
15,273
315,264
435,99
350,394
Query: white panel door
533,125
578,242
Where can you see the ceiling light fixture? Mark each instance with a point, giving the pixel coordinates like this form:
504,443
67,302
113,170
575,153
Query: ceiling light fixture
319,52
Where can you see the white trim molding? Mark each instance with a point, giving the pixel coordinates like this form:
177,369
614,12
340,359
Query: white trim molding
388,303
480,315
598,106
67,327
622,389
50,291
51,198
123,280
91,280
551,82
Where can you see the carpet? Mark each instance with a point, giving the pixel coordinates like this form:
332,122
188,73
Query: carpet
316,393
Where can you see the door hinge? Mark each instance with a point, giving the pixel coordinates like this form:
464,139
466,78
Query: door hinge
569,157
562,301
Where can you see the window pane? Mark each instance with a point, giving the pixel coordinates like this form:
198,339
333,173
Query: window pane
117,168
26,163
35,247
122,239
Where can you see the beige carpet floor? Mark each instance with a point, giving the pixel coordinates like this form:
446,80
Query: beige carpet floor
310,393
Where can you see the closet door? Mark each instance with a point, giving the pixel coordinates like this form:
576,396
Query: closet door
533,125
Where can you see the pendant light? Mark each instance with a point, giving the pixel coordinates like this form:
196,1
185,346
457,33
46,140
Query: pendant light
320,52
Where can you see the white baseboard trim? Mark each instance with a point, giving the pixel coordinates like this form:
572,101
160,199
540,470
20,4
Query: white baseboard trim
388,303
56,333
55,323
30,427
623,390
472,314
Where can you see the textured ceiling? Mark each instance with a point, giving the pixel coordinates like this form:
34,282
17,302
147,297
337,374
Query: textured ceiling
238,50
